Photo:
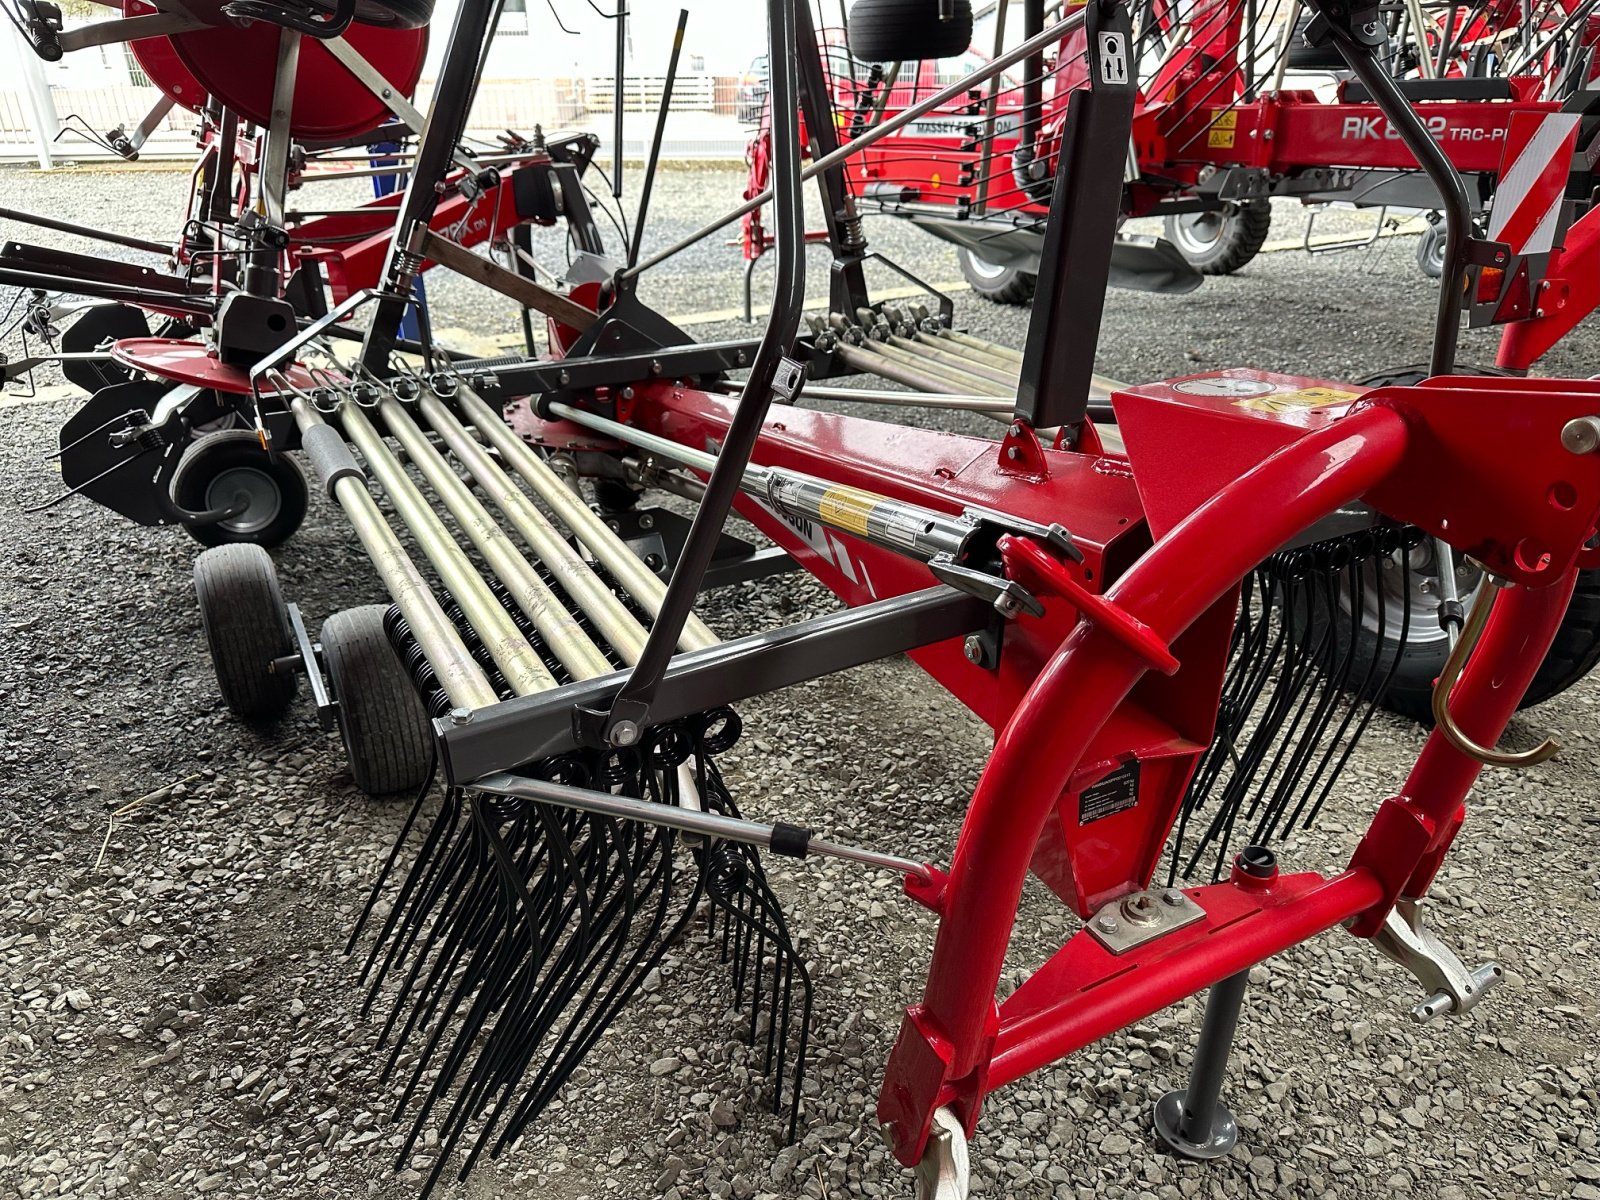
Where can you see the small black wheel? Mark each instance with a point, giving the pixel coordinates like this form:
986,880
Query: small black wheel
1223,240
219,469
247,629
1003,285
908,30
1430,251
385,730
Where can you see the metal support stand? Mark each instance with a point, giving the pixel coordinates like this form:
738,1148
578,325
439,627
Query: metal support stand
1191,1120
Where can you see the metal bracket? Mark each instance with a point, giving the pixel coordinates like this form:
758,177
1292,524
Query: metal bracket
305,659
1454,986
1142,917
1006,595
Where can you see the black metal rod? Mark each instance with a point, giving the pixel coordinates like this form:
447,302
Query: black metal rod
143,297
632,705
617,98
655,142
1453,199
1211,1054
447,118
88,231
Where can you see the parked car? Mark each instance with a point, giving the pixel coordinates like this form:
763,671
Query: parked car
752,95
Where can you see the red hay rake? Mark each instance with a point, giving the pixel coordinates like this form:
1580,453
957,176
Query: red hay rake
1164,644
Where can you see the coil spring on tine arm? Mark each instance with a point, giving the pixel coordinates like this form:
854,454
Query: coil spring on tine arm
434,700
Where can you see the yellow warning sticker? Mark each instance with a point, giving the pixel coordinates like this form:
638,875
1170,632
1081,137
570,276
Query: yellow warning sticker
846,508
1287,402
1223,127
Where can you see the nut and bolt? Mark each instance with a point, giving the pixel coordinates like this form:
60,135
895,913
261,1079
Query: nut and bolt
1013,453
1140,909
1107,923
460,716
1173,898
624,733
973,649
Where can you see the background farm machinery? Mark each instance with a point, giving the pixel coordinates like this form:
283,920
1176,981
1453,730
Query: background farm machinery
1221,128
1173,649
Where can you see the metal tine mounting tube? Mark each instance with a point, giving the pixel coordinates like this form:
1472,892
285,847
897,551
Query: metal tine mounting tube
462,679
517,660
559,628
610,616
626,567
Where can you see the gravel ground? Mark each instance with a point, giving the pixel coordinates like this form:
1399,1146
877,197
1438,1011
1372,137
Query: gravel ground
179,1020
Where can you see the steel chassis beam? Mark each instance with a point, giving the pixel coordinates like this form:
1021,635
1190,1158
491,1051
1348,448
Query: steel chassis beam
530,728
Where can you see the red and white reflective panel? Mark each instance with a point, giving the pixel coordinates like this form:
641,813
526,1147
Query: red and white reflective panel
1533,176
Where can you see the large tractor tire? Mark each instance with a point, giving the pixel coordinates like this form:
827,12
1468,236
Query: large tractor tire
1223,240
908,30
1002,285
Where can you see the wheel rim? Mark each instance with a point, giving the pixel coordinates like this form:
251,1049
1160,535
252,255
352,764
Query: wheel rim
1198,233
1383,599
985,270
1433,253
263,500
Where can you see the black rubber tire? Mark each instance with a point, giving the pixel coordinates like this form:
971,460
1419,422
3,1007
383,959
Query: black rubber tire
247,627
1002,285
385,730
281,483
1430,251
1244,231
908,30
1573,654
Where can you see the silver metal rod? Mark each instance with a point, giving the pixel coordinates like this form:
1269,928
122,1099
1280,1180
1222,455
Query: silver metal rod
993,348
559,628
903,528
610,616
462,679
712,825
959,359
275,171
881,130
989,355
983,404
517,660
912,377
638,580
953,377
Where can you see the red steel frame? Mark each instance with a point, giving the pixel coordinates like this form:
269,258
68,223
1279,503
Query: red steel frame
1093,682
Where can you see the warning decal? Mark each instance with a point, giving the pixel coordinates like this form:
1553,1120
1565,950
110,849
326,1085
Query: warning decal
1223,130
1285,402
845,508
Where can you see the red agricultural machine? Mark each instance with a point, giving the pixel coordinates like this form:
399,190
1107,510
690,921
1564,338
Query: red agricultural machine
281,111
1174,651
1222,126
